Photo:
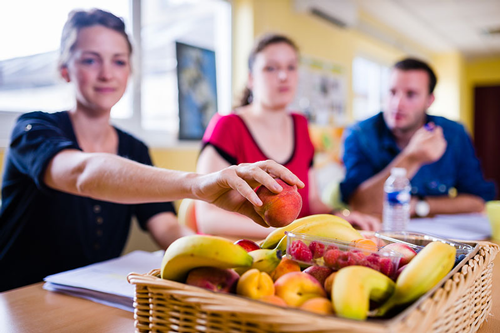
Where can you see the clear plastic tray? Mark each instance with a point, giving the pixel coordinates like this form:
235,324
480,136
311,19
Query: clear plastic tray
336,254
417,240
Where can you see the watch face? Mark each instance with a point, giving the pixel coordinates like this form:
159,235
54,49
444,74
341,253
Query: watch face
422,208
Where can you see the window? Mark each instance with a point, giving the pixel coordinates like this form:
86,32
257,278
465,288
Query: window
370,82
28,71
28,58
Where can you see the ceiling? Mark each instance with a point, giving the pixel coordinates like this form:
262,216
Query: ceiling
437,25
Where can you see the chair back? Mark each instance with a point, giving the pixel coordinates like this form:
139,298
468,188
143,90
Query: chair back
187,215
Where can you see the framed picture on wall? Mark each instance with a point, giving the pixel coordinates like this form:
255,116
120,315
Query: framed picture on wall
196,80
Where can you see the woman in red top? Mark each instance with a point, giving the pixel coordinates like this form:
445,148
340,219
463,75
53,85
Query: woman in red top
260,129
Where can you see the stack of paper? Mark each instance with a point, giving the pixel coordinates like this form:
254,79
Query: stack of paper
105,282
456,226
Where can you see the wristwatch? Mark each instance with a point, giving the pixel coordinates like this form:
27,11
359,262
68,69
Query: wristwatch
422,207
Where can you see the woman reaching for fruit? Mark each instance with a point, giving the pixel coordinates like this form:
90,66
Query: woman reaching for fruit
73,181
262,128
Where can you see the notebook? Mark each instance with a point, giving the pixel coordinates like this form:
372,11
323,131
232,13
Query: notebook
472,226
105,282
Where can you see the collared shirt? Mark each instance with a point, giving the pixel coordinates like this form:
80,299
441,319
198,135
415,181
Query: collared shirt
370,146
44,231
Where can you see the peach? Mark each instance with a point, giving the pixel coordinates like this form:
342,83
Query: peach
284,267
273,299
297,287
328,285
279,209
255,284
213,278
366,244
318,305
405,250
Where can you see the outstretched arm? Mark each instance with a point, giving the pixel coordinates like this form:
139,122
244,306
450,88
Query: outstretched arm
112,178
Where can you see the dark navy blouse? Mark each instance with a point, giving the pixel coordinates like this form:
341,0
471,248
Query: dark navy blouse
370,146
44,231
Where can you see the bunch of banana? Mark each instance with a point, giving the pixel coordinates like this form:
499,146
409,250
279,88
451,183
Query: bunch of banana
355,286
194,251
422,273
265,260
274,237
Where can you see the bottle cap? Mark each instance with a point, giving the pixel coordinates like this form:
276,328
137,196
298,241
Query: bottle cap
398,172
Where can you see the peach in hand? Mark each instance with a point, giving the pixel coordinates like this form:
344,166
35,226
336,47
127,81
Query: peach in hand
297,287
255,284
279,209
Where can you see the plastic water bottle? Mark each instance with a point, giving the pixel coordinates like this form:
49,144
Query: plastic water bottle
397,200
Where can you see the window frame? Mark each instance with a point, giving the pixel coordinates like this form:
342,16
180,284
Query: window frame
133,124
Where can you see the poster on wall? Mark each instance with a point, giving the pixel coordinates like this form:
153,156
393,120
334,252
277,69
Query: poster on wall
196,81
321,93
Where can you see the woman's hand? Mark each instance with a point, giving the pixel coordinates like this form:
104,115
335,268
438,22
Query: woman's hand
233,188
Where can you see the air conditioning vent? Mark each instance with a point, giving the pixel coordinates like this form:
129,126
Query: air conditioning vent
492,31
342,13
329,18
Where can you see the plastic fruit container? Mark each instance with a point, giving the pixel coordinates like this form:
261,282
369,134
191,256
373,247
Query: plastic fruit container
418,241
335,254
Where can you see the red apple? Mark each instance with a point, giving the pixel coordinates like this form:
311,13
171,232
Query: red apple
407,252
386,266
213,278
320,273
398,272
247,244
279,209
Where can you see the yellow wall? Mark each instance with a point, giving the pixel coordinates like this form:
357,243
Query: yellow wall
175,158
449,68
315,37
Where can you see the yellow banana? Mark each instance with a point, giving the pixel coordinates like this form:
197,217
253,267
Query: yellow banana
327,229
422,273
274,237
194,251
265,260
355,286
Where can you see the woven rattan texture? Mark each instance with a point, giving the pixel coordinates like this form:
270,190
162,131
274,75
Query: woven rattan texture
461,304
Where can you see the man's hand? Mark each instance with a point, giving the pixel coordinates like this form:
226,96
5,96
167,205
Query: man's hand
362,221
427,144
233,188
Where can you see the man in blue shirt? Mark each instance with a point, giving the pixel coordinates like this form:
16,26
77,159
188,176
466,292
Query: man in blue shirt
437,153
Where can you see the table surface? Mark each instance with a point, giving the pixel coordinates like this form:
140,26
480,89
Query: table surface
33,309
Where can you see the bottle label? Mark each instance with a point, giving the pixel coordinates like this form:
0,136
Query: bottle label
398,198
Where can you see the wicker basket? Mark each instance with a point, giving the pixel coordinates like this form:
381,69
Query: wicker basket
460,303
